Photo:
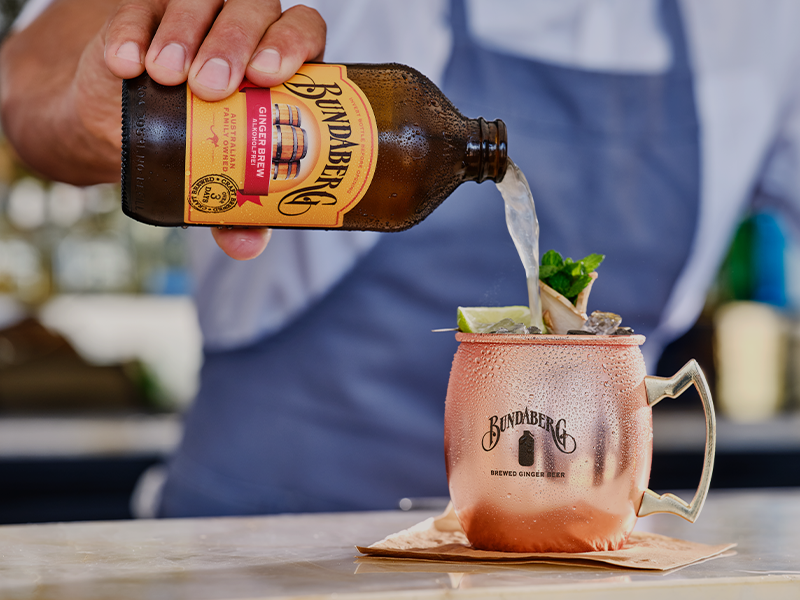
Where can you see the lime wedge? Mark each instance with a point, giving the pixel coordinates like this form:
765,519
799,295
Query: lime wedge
471,319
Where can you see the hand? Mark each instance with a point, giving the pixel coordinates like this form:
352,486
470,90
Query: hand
212,44
60,77
245,38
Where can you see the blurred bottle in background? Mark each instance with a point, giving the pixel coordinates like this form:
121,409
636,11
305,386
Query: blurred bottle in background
755,321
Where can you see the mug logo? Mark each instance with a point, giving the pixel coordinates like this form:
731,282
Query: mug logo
557,429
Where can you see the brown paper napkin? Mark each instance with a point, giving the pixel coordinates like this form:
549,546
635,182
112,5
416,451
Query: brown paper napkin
441,538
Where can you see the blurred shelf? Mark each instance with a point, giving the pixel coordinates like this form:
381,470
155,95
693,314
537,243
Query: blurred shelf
78,468
88,437
748,455
99,436
684,430
85,468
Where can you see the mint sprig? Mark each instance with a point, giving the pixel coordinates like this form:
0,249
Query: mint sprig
566,276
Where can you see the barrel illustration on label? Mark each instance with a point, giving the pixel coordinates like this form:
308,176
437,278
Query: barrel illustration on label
285,170
274,131
526,445
288,143
286,114
298,155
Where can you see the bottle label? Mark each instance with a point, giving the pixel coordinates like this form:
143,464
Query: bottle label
301,154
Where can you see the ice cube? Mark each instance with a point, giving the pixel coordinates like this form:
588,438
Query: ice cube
623,331
506,325
602,323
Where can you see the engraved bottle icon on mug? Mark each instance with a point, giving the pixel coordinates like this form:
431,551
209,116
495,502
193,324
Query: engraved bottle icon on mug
526,449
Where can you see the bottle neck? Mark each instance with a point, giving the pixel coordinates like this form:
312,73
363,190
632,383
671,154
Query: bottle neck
486,155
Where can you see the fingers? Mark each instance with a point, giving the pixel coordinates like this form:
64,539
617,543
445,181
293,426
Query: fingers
183,27
128,34
212,44
219,65
253,38
241,244
297,37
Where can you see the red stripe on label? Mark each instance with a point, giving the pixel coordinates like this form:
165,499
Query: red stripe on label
258,162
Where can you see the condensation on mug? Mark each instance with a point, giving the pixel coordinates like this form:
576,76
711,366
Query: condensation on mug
548,441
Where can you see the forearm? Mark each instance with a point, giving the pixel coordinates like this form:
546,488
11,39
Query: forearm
60,78
52,131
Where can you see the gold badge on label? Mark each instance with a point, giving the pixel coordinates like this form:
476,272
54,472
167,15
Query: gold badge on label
214,193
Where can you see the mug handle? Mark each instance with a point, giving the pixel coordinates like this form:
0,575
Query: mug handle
662,387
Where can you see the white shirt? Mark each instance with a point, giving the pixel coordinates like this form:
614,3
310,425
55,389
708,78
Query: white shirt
746,59
746,62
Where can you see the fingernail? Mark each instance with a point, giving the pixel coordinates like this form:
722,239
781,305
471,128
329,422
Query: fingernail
129,51
172,57
215,74
267,61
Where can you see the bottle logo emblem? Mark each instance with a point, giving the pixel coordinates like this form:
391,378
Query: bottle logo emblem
213,193
526,446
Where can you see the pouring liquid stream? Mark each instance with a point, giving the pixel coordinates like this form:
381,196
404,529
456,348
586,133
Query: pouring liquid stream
524,229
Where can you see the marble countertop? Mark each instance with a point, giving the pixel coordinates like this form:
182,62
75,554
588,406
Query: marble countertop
301,556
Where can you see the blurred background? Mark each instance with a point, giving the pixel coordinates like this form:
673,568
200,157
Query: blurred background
100,351
99,346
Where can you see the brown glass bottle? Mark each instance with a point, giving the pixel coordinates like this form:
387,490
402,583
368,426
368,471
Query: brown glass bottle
426,148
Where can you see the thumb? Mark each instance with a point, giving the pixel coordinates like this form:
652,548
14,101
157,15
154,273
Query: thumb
241,243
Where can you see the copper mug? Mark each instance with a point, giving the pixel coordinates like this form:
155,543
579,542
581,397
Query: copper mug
549,439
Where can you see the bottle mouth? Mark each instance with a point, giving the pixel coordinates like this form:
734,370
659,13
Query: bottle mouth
502,150
493,142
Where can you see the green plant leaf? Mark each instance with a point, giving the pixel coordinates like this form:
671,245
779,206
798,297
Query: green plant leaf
565,276
592,261
577,286
546,271
560,283
551,257
572,269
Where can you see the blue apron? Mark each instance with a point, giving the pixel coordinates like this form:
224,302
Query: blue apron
343,408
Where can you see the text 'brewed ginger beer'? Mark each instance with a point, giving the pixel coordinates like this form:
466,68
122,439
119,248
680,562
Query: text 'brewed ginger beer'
373,147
